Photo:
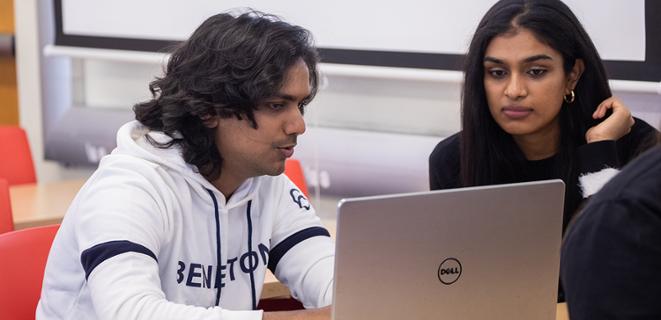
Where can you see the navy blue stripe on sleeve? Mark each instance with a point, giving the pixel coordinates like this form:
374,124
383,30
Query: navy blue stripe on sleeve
281,248
92,257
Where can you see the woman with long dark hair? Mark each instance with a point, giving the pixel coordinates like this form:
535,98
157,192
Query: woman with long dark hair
536,105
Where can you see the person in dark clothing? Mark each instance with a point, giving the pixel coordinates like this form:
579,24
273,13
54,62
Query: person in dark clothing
536,105
611,254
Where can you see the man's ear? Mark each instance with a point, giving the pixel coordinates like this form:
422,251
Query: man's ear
209,121
574,75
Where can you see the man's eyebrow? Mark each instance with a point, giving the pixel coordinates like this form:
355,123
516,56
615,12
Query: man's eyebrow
526,60
286,97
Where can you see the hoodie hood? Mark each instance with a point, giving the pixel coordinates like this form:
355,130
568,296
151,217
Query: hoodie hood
132,141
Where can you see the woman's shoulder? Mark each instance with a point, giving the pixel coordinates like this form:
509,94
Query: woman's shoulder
446,150
444,163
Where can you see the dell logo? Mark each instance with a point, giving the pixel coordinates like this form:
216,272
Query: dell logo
449,271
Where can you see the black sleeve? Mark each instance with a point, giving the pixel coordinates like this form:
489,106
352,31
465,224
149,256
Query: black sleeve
595,156
444,164
641,138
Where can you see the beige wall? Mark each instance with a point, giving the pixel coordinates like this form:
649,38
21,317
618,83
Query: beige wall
8,92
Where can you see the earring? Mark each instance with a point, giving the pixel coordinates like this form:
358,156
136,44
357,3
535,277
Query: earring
569,98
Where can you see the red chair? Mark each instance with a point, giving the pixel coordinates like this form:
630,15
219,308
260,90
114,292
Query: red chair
6,218
294,171
24,253
16,164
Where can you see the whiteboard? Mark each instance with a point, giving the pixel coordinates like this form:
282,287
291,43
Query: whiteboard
414,33
428,26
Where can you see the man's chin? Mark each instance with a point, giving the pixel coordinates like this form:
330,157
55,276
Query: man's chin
276,171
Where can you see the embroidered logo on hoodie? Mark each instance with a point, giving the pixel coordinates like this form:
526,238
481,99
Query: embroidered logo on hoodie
299,199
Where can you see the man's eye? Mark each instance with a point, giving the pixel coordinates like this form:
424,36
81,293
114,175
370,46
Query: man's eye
276,106
301,107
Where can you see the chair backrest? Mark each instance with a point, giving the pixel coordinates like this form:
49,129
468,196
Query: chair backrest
24,253
16,164
6,218
294,171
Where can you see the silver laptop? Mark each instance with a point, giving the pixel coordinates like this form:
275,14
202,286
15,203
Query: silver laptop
489,252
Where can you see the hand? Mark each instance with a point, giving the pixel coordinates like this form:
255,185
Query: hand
310,314
617,125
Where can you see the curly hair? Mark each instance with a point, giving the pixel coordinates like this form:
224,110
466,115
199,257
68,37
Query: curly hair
228,66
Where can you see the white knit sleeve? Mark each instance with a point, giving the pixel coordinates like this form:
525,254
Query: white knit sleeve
592,182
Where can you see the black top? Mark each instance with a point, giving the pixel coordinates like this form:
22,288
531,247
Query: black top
592,157
611,255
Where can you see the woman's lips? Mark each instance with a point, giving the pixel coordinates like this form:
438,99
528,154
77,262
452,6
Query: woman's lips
516,112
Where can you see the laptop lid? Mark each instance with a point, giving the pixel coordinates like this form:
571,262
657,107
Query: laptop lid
490,252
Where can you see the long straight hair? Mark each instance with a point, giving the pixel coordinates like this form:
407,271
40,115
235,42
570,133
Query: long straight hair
489,155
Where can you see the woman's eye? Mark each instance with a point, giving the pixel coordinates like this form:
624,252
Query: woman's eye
537,72
497,73
301,107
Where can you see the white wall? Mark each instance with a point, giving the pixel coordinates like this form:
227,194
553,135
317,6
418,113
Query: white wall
410,108
28,64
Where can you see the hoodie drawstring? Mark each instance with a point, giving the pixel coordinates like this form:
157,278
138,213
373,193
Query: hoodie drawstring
218,256
250,256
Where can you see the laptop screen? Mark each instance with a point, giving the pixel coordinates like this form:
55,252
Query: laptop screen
471,253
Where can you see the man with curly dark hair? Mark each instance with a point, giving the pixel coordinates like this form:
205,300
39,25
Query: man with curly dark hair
185,216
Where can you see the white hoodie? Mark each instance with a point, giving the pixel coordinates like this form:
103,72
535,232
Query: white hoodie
149,238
